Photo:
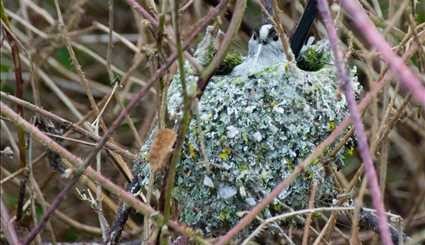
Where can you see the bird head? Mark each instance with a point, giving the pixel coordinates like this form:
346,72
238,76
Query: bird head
264,50
265,46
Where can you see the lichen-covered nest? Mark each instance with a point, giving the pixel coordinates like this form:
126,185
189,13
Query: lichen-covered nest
249,133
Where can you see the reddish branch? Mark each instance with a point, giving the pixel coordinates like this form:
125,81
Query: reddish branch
359,130
366,28
89,172
64,122
83,166
7,225
134,4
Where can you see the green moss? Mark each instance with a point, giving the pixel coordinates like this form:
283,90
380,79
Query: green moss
277,207
243,167
267,71
331,125
231,60
225,215
225,154
192,151
210,53
312,59
309,174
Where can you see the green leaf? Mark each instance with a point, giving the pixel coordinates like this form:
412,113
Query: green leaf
63,56
39,211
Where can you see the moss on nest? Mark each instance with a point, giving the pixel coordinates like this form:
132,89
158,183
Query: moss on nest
231,60
314,57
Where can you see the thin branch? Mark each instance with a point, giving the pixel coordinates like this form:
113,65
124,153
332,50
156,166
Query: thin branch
90,172
74,60
294,213
367,29
224,46
359,130
158,24
7,225
114,147
40,198
21,134
307,224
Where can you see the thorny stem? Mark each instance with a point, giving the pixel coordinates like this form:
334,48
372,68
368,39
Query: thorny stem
359,130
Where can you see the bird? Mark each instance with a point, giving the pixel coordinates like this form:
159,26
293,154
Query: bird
265,47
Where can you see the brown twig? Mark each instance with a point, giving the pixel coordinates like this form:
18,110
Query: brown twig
90,172
309,216
363,146
114,147
21,134
7,225
406,76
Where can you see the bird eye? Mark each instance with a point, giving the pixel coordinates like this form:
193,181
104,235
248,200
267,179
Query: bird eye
273,35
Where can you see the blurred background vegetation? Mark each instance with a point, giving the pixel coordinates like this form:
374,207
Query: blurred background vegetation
395,122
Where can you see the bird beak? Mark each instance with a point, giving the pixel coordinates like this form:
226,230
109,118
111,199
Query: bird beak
258,52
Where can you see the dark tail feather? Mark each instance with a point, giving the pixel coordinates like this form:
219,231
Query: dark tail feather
299,37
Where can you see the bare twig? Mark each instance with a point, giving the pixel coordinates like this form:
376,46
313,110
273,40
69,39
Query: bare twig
359,130
7,224
19,93
221,52
107,184
309,216
294,213
406,76
124,152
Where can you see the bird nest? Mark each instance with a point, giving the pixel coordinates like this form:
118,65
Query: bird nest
248,133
